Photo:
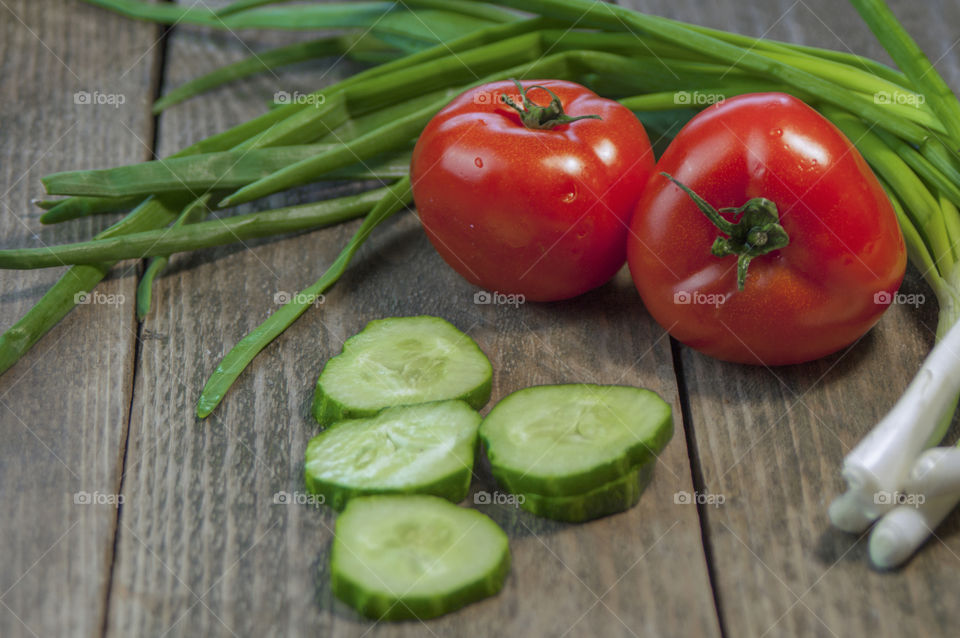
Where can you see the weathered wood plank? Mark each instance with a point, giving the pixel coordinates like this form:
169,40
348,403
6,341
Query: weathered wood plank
64,407
771,441
202,547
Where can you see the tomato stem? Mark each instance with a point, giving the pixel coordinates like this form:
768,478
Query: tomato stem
536,116
756,232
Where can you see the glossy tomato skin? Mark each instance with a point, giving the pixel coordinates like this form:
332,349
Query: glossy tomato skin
538,212
820,293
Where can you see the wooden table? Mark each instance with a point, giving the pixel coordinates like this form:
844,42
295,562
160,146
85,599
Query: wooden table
104,405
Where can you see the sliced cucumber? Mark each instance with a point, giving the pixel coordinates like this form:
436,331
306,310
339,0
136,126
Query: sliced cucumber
427,448
610,498
397,557
563,440
401,361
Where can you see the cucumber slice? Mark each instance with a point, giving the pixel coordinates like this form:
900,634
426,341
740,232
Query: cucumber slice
427,448
399,557
401,361
563,440
609,498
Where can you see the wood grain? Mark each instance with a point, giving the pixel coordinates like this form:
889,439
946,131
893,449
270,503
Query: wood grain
771,441
64,407
202,547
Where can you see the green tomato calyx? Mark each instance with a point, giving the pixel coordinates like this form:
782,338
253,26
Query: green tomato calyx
541,117
756,231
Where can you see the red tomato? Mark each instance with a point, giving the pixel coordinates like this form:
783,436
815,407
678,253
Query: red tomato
541,212
820,292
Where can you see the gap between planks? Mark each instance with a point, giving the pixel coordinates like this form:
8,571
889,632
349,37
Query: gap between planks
159,70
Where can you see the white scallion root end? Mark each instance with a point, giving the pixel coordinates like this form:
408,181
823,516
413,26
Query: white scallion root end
903,530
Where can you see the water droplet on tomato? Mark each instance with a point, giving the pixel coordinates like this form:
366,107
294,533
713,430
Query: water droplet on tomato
478,162
776,132
570,196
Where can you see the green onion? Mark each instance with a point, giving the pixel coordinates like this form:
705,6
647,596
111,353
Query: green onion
910,58
155,212
936,472
352,45
890,457
207,171
62,210
193,236
326,15
620,19
62,297
398,197
195,211
244,5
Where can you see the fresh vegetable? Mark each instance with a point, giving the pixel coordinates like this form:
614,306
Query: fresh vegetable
397,197
428,448
936,472
650,63
62,296
884,462
176,239
904,529
526,188
889,479
369,105
765,238
397,557
380,92
610,498
362,47
565,440
212,171
418,449
401,361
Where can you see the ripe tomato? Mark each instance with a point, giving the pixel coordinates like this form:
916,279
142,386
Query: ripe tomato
800,301
540,212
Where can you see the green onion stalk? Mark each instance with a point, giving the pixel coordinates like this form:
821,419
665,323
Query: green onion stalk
889,476
905,122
